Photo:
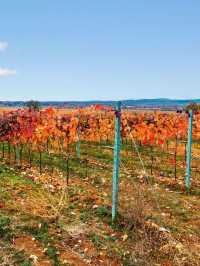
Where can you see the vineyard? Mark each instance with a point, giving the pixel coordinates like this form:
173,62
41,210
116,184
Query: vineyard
158,140
56,186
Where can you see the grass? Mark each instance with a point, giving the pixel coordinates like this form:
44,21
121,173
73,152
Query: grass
157,224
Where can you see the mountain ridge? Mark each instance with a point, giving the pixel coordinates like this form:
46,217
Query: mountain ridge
156,102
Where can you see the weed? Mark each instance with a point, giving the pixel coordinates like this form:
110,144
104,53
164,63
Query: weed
5,229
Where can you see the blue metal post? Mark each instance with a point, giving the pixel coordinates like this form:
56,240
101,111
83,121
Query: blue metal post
116,160
189,152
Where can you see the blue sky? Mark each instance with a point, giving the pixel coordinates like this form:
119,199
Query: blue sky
102,49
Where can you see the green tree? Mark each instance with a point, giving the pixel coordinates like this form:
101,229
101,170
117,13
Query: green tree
193,106
34,105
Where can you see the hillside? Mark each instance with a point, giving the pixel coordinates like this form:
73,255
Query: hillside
160,102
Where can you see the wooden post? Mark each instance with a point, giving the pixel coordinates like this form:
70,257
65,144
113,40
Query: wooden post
116,160
68,170
40,159
189,152
78,148
175,158
3,151
152,159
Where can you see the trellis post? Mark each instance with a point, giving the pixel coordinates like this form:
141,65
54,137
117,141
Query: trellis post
116,160
189,152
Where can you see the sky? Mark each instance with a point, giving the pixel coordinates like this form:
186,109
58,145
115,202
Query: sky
99,49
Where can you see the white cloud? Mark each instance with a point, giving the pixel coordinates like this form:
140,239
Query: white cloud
5,72
3,46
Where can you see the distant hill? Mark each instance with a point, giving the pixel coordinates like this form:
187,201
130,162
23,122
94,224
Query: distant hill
141,103
160,102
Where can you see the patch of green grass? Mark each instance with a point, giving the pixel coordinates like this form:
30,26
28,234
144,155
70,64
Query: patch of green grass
96,239
52,253
42,235
27,263
84,217
110,238
5,228
102,211
20,258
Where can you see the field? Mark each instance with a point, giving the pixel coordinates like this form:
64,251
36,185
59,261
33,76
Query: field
56,188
